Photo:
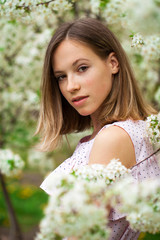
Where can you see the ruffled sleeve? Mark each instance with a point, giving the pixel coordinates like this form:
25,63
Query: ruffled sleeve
80,157
65,167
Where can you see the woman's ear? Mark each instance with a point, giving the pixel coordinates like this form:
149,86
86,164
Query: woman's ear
113,62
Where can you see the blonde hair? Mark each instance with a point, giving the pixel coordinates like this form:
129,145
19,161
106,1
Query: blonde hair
124,101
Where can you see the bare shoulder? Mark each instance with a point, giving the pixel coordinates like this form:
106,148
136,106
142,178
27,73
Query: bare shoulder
113,142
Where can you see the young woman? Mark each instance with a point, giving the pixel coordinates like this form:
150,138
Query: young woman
88,82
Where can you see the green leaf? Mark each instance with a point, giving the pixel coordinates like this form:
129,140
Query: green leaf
157,2
11,163
123,15
138,58
3,1
104,3
132,34
12,22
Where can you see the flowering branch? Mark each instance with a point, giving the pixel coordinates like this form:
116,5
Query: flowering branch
76,197
38,4
142,207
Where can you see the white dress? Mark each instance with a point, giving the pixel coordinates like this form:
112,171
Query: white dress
146,169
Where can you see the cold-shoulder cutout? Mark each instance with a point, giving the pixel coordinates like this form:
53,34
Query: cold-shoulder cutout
113,142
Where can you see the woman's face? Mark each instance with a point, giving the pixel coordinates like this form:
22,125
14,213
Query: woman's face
84,79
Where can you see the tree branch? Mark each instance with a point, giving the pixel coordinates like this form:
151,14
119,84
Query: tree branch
15,232
27,8
146,158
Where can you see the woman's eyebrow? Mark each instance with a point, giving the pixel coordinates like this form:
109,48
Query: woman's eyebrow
79,59
73,64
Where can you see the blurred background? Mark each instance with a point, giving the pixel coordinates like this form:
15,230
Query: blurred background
25,29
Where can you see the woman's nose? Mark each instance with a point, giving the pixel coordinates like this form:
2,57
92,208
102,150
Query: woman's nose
72,84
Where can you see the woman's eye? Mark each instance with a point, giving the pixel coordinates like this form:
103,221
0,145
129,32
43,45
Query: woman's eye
82,68
60,78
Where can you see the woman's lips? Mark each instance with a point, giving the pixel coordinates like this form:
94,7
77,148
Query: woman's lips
79,100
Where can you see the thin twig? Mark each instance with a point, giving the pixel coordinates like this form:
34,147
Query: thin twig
147,158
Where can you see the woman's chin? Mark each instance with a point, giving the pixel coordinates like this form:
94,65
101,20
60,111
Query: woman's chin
84,114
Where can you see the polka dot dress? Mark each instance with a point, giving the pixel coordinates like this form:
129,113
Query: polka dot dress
143,169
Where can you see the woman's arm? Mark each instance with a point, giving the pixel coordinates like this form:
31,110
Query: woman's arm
113,142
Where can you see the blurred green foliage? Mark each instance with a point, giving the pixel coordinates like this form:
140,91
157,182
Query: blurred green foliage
28,201
148,236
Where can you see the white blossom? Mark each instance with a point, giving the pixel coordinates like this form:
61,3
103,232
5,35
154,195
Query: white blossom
98,171
137,40
147,46
95,6
22,60
153,128
25,11
151,48
85,192
10,164
115,11
142,205
40,161
70,209
75,198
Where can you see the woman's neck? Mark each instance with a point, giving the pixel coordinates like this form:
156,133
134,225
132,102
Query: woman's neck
96,127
